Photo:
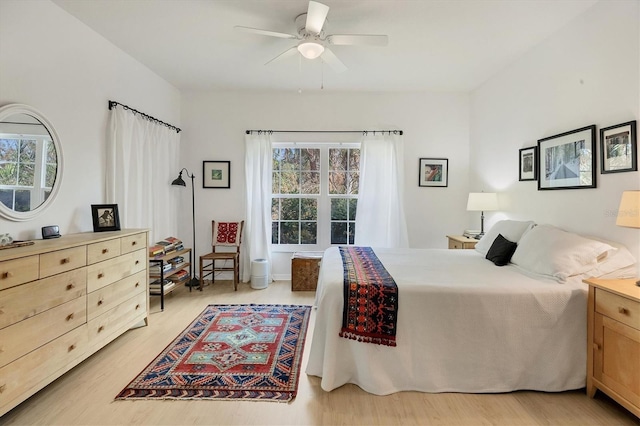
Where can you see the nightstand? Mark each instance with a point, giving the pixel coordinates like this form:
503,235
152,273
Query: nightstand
461,242
613,350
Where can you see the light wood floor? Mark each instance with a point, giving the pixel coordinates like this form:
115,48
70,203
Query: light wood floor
85,395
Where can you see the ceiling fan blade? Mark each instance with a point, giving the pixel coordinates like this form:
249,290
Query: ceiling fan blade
316,15
264,32
358,39
332,60
289,52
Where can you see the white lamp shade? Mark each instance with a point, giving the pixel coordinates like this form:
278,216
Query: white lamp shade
629,210
310,49
482,201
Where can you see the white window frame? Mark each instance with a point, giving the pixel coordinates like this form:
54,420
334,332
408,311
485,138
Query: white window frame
323,240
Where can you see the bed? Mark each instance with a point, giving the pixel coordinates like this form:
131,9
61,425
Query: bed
465,324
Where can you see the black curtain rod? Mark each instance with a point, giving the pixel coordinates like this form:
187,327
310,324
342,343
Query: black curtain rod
364,132
112,104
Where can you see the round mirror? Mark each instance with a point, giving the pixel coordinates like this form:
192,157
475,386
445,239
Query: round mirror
30,162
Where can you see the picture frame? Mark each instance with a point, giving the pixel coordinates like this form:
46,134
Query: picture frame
618,148
527,164
216,174
568,160
433,172
105,217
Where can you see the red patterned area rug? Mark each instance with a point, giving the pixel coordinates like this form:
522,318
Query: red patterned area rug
236,352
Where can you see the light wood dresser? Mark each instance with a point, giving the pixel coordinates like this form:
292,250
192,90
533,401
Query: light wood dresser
613,352
61,300
460,242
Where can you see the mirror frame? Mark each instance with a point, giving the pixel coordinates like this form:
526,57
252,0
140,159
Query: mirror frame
11,109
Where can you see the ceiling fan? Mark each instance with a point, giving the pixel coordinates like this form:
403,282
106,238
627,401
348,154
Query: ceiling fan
313,42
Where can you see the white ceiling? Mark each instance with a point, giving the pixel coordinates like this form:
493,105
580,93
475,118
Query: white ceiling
436,45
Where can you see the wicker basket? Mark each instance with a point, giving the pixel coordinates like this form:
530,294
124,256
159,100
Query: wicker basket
304,271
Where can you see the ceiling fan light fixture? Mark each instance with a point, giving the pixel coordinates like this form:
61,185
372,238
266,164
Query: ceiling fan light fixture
310,49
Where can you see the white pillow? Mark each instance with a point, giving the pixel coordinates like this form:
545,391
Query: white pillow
550,251
512,230
616,264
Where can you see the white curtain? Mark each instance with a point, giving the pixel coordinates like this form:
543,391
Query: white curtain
380,219
142,160
257,233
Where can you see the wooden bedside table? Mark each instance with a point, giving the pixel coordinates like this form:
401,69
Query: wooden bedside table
460,242
613,349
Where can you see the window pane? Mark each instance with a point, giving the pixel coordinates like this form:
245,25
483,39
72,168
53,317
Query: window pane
354,159
353,203
289,233
9,150
338,232
26,174
290,209
352,232
338,159
52,158
51,175
278,155
291,159
8,174
275,208
337,182
308,232
290,183
275,234
310,182
28,151
353,183
310,159
308,209
338,209
275,182
23,201
6,197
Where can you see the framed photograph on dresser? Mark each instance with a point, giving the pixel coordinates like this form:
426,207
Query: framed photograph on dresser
105,217
619,149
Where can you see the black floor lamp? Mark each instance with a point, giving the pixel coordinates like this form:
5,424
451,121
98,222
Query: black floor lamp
194,282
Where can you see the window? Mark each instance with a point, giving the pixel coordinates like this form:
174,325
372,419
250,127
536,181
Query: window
22,186
314,195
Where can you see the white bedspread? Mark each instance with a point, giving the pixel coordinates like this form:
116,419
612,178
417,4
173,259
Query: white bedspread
464,325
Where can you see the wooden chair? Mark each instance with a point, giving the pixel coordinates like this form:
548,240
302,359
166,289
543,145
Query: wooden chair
225,246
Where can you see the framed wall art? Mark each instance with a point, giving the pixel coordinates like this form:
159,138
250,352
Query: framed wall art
433,172
216,174
527,162
105,217
568,160
618,148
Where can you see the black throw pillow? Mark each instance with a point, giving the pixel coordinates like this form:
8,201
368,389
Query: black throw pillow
501,251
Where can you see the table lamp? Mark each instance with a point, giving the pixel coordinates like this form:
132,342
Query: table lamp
482,202
629,212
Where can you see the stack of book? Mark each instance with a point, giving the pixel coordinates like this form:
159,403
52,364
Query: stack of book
177,243
156,250
180,277
156,288
178,260
154,268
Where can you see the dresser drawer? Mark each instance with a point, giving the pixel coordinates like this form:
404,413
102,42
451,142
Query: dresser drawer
112,270
106,327
133,242
25,336
619,308
18,303
106,298
18,271
103,250
33,371
60,261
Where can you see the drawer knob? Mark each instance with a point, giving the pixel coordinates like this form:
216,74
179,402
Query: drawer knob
105,250
100,275
137,307
99,302
6,275
100,328
623,311
134,243
2,388
72,347
70,286
596,346
70,317
137,285
137,262
64,261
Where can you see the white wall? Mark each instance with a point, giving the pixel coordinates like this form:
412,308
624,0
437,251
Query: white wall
587,73
53,62
434,125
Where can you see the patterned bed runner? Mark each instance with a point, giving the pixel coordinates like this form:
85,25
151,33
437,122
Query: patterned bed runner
370,298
